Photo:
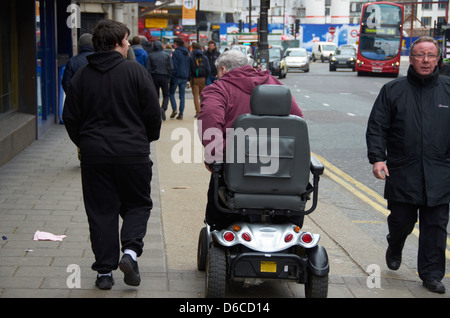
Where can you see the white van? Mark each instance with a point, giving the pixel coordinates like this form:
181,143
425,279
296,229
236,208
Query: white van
323,50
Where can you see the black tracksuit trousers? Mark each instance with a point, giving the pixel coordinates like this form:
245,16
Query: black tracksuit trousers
432,238
110,190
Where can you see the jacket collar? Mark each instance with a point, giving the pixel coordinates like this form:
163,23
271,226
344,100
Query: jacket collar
418,80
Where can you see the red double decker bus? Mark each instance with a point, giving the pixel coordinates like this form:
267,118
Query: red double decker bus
380,38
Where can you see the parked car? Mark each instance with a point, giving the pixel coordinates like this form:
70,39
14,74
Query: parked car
344,58
297,58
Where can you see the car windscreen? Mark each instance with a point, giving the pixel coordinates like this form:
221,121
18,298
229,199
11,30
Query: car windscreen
301,53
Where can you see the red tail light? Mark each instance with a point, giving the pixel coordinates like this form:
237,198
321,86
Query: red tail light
246,237
228,236
306,238
288,238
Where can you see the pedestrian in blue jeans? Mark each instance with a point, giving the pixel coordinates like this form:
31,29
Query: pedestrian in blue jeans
180,76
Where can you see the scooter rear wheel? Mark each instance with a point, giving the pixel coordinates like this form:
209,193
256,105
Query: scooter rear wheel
216,273
316,286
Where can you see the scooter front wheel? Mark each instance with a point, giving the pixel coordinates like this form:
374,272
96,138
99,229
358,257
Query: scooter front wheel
216,273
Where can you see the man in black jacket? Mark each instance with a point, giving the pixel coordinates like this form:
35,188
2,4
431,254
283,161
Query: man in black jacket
408,141
112,114
86,48
212,54
160,67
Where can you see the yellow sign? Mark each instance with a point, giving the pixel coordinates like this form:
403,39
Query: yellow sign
156,23
188,12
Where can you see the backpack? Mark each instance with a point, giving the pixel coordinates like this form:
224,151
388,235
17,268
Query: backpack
199,66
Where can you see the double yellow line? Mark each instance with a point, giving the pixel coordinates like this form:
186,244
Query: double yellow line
363,192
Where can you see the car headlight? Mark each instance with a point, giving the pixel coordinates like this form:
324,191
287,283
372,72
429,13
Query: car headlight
333,58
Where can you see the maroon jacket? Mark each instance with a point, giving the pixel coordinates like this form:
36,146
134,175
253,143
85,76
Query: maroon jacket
226,99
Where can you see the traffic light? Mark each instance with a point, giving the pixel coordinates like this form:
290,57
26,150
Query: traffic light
241,26
297,26
291,27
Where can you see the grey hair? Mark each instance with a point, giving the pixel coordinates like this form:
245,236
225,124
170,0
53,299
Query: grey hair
425,39
231,59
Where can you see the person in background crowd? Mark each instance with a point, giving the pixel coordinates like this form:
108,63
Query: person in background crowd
168,49
180,75
139,52
200,71
212,54
160,66
85,48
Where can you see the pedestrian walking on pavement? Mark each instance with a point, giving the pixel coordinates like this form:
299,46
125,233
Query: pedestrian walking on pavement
408,141
180,76
200,71
212,54
140,54
160,67
223,101
86,48
112,114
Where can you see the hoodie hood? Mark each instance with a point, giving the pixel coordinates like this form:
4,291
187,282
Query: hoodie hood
197,52
105,61
157,45
183,50
246,78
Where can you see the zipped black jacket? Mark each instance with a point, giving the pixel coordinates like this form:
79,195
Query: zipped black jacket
409,128
111,111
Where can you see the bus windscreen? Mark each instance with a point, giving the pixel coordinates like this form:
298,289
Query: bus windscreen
381,29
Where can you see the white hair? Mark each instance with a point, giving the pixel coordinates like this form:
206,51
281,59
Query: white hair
231,59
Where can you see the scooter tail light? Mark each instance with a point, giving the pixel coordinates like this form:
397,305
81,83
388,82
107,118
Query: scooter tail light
307,238
246,237
228,236
288,238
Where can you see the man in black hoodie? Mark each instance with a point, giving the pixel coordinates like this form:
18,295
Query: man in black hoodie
112,114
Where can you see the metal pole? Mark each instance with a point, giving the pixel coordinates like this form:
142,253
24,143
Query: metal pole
198,21
249,16
263,45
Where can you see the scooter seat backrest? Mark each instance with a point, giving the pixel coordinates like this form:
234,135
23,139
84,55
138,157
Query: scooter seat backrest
268,151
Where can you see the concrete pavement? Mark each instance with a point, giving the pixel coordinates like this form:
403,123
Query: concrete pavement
40,189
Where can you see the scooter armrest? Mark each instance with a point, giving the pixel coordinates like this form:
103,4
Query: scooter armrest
316,166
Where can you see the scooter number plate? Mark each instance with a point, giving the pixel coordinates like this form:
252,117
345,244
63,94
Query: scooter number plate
268,267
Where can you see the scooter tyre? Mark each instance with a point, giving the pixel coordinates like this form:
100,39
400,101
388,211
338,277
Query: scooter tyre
316,286
216,272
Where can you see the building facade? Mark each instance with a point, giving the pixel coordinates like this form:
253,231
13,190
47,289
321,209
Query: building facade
34,42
